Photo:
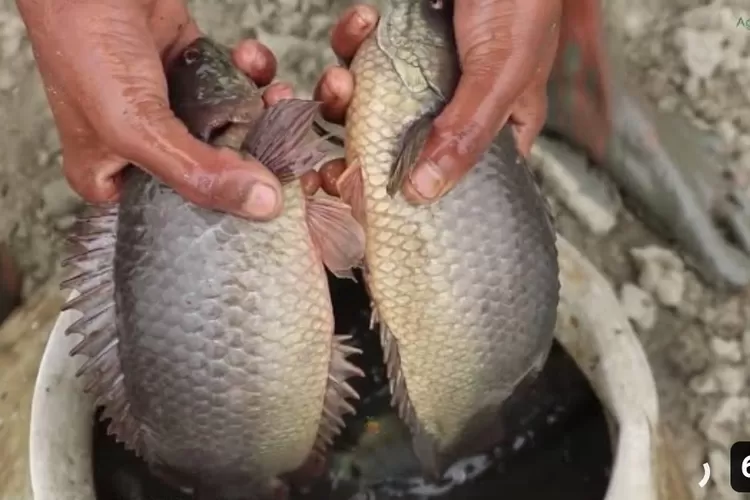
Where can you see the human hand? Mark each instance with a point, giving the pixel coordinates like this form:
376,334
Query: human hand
506,49
102,63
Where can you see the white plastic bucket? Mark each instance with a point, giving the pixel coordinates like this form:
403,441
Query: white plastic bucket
591,327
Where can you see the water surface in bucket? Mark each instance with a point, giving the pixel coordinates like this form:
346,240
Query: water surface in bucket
555,441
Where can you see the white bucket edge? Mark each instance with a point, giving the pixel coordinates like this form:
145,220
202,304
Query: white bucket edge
602,343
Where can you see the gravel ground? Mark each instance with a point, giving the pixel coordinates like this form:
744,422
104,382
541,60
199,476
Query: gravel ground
690,57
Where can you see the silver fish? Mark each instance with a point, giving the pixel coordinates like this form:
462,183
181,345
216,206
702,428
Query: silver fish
210,338
466,289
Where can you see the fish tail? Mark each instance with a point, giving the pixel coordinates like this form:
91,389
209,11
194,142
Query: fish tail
92,277
282,139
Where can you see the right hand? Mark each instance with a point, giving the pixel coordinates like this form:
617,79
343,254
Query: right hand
102,63
506,49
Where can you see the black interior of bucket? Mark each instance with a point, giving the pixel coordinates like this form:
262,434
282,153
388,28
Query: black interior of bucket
555,445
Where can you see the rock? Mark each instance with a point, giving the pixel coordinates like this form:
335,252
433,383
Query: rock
585,192
718,459
705,383
639,306
731,379
688,352
726,350
727,319
59,199
661,272
721,425
701,51
65,222
10,283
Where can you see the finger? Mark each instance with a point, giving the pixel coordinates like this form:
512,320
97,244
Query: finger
133,119
334,90
162,21
95,178
530,111
91,171
277,92
329,175
529,115
310,182
132,116
256,61
499,53
214,178
354,25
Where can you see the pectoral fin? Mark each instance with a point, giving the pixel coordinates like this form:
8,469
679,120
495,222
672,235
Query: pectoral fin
352,190
282,139
337,235
412,143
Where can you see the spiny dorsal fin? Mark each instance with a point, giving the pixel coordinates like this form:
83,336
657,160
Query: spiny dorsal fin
91,276
335,404
425,446
282,139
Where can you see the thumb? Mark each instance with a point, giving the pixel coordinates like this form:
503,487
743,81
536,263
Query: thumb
210,177
497,45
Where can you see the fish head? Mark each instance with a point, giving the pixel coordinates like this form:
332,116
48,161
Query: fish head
418,36
210,95
421,22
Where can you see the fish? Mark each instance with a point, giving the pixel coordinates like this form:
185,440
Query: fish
465,290
210,338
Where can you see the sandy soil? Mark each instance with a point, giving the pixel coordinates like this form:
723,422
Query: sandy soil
689,56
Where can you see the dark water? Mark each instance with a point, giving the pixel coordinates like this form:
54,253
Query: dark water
555,441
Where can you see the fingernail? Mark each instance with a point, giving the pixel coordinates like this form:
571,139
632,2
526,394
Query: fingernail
262,201
428,180
362,19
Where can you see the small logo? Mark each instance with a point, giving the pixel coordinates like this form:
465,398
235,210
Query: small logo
743,22
706,475
739,459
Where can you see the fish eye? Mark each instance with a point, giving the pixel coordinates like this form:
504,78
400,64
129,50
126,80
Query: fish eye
191,55
436,4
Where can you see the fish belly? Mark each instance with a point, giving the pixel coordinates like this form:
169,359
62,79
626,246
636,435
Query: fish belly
225,334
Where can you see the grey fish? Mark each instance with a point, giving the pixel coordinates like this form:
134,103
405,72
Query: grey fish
466,289
210,338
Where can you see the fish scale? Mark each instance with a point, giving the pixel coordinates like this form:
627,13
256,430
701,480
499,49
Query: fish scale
465,288
215,377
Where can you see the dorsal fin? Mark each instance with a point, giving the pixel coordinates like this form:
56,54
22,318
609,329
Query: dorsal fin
335,404
91,275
